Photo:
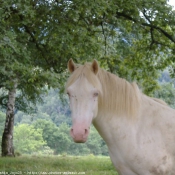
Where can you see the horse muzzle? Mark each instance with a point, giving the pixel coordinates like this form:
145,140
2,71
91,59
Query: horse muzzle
79,134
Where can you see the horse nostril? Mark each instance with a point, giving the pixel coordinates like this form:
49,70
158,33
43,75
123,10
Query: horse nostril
79,134
72,133
86,133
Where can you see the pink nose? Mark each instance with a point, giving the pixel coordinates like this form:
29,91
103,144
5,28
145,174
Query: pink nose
79,135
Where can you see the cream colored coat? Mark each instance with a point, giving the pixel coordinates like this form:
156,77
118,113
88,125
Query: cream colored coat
138,130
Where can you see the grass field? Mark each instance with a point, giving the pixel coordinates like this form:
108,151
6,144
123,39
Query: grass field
39,165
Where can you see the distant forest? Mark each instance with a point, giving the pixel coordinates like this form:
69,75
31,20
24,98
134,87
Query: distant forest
45,129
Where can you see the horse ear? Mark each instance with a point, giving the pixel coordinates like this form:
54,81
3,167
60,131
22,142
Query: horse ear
95,66
71,65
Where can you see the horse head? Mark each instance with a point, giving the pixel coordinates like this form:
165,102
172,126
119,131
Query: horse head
83,97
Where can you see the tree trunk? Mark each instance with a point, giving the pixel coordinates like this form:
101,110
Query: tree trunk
7,137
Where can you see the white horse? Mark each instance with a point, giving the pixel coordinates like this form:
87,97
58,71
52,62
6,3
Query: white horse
138,130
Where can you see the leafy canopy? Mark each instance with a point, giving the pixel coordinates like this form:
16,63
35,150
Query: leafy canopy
134,39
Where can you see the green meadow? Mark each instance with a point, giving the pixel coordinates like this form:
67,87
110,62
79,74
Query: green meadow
39,165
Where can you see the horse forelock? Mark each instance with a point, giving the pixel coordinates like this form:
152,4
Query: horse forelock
85,71
117,96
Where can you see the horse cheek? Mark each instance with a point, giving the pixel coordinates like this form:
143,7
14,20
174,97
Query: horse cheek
95,107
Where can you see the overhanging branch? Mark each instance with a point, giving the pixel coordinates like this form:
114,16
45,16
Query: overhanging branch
150,25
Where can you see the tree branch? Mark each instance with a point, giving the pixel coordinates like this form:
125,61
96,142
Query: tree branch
40,49
127,17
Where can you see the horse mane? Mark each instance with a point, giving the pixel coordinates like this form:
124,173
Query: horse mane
116,94
119,95
160,101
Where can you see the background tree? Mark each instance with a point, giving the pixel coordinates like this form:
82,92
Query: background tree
18,71
28,139
7,137
167,93
51,135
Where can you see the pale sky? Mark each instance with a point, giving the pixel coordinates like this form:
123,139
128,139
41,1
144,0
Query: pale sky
172,2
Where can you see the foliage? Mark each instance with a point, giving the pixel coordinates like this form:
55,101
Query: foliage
87,164
58,139
18,65
46,150
131,38
95,142
166,89
167,93
27,139
52,108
